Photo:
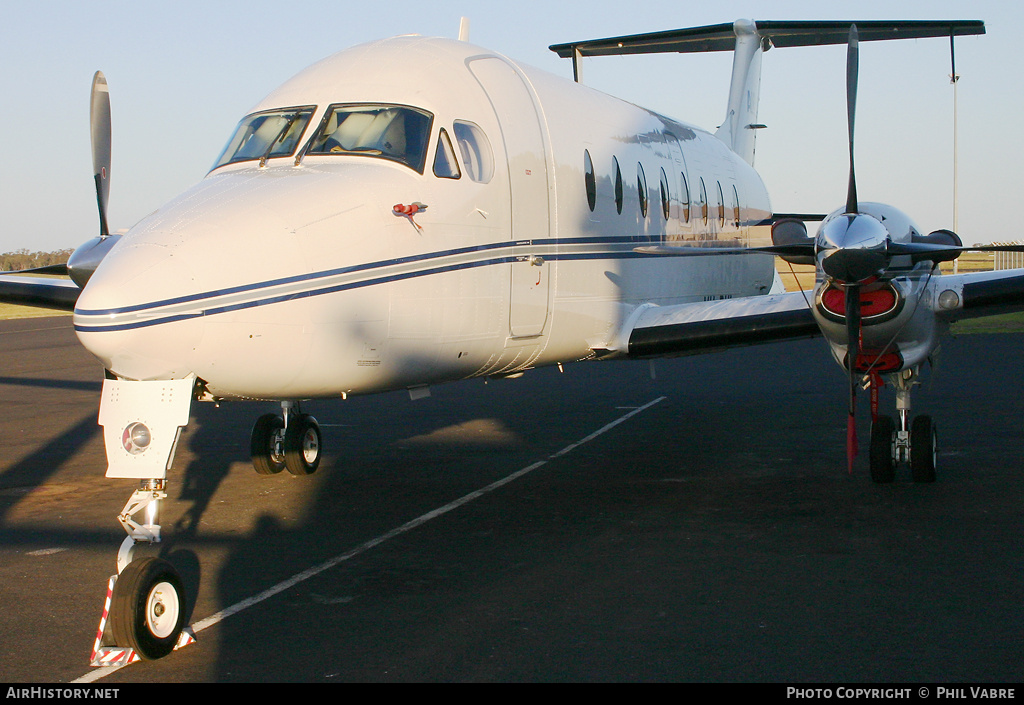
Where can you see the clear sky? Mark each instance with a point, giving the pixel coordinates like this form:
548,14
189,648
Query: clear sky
182,73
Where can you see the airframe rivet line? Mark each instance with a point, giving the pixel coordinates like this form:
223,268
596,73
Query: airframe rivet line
404,528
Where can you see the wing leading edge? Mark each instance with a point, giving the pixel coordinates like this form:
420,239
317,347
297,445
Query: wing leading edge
57,294
708,326
983,293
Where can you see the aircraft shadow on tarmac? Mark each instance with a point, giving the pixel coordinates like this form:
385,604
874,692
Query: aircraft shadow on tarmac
719,538
716,537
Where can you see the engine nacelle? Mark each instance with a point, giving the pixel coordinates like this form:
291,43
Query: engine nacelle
84,260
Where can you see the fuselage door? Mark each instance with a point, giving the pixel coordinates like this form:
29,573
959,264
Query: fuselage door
522,136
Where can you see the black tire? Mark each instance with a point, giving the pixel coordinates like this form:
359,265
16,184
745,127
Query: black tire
924,441
266,458
302,445
147,609
883,469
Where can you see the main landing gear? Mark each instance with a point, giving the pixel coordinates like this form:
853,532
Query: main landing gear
290,441
914,442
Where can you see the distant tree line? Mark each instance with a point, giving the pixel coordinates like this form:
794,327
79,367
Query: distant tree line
23,259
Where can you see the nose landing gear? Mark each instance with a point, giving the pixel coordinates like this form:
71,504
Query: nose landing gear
144,615
145,610
914,442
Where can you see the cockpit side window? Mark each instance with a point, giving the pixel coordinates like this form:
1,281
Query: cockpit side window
267,134
475,150
396,132
445,165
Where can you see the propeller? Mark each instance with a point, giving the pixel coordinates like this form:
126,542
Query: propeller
87,257
99,125
853,269
852,69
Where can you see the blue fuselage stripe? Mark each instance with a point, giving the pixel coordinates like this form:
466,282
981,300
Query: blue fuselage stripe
362,283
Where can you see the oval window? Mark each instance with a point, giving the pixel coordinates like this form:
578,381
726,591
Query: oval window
686,199
590,181
618,185
475,150
641,187
703,201
664,195
721,206
735,206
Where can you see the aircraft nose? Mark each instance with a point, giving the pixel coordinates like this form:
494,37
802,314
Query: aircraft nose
130,314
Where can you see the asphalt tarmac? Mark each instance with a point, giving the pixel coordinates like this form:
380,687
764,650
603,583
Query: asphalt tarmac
709,532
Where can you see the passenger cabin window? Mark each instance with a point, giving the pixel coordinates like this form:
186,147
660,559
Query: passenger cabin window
618,185
475,150
664,195
445,165
703,202
267,134
721,205
735,206
394,132
686,198
641,187
589,180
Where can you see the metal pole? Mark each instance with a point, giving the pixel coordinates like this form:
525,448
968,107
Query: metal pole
954,79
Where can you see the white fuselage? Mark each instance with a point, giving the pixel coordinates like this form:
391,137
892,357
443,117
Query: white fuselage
295,278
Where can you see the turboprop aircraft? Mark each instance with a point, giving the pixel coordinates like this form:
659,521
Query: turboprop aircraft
418,210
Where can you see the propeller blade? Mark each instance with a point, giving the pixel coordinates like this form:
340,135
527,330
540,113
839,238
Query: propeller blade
921,251
99,122
851,109
853,350
48,269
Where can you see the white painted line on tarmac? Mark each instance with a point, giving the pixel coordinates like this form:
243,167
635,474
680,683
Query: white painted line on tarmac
218,617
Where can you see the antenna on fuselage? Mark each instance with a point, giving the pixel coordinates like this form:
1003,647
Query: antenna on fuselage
463,29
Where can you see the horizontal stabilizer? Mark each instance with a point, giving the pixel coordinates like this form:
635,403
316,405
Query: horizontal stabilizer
721,37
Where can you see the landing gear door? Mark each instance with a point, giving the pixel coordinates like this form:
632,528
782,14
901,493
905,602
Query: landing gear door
141,424
523,139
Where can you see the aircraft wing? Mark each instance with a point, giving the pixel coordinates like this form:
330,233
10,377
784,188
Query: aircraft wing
983,293
58,294
706,326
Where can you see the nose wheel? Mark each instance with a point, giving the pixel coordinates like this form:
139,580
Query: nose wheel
291,441
913,443
147,608
924,442
882,458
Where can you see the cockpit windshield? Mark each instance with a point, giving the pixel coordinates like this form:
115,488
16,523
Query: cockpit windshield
394,132
273,133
